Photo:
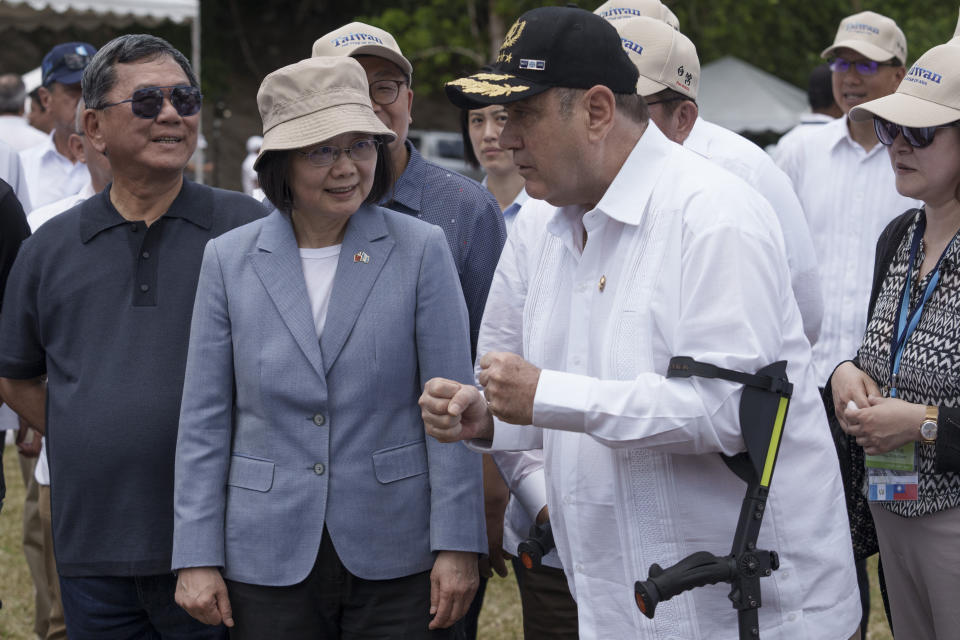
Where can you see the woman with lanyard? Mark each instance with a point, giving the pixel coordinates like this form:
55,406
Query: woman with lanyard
899,400
481,143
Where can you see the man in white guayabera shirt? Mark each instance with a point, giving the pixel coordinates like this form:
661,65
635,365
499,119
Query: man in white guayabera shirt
633,250
845,183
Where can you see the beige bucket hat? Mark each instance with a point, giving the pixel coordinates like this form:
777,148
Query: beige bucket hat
615,10
875,36
928,96
665,58
359,39
314,100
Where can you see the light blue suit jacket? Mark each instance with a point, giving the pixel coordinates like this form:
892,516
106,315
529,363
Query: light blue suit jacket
282,433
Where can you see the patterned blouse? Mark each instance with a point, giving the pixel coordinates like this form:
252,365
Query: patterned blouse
930,365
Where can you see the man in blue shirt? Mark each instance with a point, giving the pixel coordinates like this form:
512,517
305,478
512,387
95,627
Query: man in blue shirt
467,213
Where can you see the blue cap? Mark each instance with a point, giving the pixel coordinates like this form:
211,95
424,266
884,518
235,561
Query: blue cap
65,63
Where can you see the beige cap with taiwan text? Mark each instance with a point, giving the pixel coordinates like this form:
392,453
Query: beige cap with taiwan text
665,58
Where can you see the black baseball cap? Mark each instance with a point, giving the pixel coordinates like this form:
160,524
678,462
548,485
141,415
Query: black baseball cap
545,48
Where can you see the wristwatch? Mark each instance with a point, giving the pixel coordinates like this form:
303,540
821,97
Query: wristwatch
928,428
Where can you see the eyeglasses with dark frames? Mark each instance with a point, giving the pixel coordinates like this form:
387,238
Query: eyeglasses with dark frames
359,151
148,101
385,92
863,67
916,137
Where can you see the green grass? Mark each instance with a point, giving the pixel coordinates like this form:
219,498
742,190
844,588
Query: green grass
500,618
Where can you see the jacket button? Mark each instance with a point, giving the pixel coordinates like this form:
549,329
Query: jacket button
319,420
318,468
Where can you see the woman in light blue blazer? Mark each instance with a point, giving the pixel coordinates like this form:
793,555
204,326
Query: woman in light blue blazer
308,503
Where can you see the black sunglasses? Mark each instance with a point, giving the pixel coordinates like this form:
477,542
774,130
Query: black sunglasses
148,102
916,137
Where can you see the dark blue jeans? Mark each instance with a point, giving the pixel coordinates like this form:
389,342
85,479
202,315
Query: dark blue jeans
129,608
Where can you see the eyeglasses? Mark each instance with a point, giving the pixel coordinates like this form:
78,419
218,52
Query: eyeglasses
916,137
359,151
148,101
863,67
385,92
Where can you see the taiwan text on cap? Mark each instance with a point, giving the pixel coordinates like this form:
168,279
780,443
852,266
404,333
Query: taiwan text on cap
359,39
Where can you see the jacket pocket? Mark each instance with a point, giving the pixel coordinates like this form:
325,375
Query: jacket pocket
250,473
403,461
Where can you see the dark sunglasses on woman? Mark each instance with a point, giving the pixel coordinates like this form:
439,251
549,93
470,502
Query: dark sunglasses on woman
917,137
148,101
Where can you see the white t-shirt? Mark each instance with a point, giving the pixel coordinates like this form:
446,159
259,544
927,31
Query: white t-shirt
319,269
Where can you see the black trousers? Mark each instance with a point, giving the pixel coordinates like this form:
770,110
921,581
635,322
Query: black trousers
333,603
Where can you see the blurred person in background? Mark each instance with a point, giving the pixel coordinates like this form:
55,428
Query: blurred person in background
14,128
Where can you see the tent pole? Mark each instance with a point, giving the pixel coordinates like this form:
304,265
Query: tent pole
195,54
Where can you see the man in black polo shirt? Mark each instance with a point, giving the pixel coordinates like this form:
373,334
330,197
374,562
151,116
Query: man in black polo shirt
100,300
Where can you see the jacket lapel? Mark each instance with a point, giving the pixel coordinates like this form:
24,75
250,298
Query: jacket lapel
366,245
277,263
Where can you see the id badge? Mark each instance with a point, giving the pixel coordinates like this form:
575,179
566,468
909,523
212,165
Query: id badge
893,476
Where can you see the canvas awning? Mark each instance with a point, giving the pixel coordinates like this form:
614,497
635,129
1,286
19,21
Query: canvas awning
741,97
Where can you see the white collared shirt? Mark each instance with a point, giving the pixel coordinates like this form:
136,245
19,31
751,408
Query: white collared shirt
50,175
17,132
11,171
848,195
741,157
809,122
673,266
42,214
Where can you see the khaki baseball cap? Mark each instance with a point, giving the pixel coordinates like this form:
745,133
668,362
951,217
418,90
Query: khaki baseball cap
928,96
614,10
875,36
359,39
664,57
314,100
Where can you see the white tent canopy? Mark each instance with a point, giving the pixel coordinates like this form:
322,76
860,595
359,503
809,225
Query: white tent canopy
30,14
741,97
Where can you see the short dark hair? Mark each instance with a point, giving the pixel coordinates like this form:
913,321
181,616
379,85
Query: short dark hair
101,74
273,173
468,153
820,88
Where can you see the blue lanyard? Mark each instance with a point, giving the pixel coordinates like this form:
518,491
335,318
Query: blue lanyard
908,319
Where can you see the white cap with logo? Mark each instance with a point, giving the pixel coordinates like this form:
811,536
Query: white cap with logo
665,58
870,34
614,10
928,96
359,39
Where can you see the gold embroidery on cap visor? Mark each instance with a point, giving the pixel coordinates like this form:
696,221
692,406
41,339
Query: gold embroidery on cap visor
478,85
